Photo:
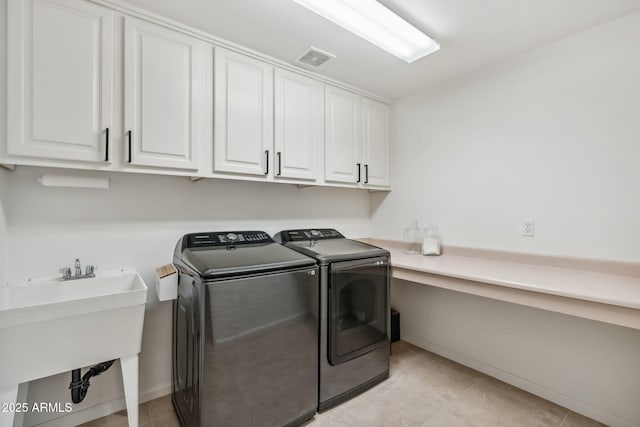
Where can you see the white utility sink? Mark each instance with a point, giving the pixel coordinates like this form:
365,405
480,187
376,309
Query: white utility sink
49,326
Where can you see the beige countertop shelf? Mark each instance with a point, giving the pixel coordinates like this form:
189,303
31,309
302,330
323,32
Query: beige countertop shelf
607,291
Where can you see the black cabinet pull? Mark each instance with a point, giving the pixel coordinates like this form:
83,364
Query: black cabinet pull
366,174
266,153
129,136
358,164
279,154
106,145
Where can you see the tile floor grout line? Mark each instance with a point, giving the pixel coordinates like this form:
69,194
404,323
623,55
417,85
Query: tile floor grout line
565,418
474,383
528,403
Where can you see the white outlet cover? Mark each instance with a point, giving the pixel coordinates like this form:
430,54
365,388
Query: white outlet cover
528,227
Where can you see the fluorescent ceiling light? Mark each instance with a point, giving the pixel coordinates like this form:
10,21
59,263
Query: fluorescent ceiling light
376,24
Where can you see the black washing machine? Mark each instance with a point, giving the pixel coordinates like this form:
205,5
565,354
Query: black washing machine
245,332
354,311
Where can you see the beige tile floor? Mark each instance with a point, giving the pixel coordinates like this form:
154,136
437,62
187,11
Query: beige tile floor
155,413
425,390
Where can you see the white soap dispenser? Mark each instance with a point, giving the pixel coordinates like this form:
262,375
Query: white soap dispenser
431,241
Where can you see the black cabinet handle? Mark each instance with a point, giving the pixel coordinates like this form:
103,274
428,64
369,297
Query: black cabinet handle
106,145
359,179
279,154
266,153
366,174
129,136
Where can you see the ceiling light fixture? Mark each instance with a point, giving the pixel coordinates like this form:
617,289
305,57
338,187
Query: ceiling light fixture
376,24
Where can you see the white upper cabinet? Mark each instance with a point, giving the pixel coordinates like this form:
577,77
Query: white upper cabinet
375,143
299,108
268,121
162,86
357,139
185,104
60,79
243,114
342,136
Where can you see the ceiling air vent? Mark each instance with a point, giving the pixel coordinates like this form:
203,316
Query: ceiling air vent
314,57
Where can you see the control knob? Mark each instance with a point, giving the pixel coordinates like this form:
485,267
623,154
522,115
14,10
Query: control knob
315,233
232,237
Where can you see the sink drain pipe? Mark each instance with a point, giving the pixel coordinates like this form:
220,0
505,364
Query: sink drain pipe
80,385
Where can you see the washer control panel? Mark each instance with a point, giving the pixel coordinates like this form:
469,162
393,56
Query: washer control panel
310,234
225,238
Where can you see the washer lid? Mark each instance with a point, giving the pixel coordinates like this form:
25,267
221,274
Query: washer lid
234,253
331,250
242,260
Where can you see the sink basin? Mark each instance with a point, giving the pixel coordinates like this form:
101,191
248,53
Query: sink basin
48,326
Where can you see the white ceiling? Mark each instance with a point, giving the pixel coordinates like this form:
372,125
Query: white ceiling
472,33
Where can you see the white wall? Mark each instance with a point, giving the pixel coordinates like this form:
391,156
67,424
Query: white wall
137,223
552,135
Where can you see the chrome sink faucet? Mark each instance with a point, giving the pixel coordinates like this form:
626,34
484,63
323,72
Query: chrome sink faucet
88,272
78,271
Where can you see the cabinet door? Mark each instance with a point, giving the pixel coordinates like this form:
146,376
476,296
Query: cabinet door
299,105
59,79
160,99
375,143
342,136
243,114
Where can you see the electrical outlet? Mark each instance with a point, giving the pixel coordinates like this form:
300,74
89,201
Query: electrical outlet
527,228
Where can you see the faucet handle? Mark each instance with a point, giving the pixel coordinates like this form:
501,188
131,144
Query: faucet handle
90,270
65,272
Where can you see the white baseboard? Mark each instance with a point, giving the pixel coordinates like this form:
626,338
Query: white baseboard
103,409
155,393
524,384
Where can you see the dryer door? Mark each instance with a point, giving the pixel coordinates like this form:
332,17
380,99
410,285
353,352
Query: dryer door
358,307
